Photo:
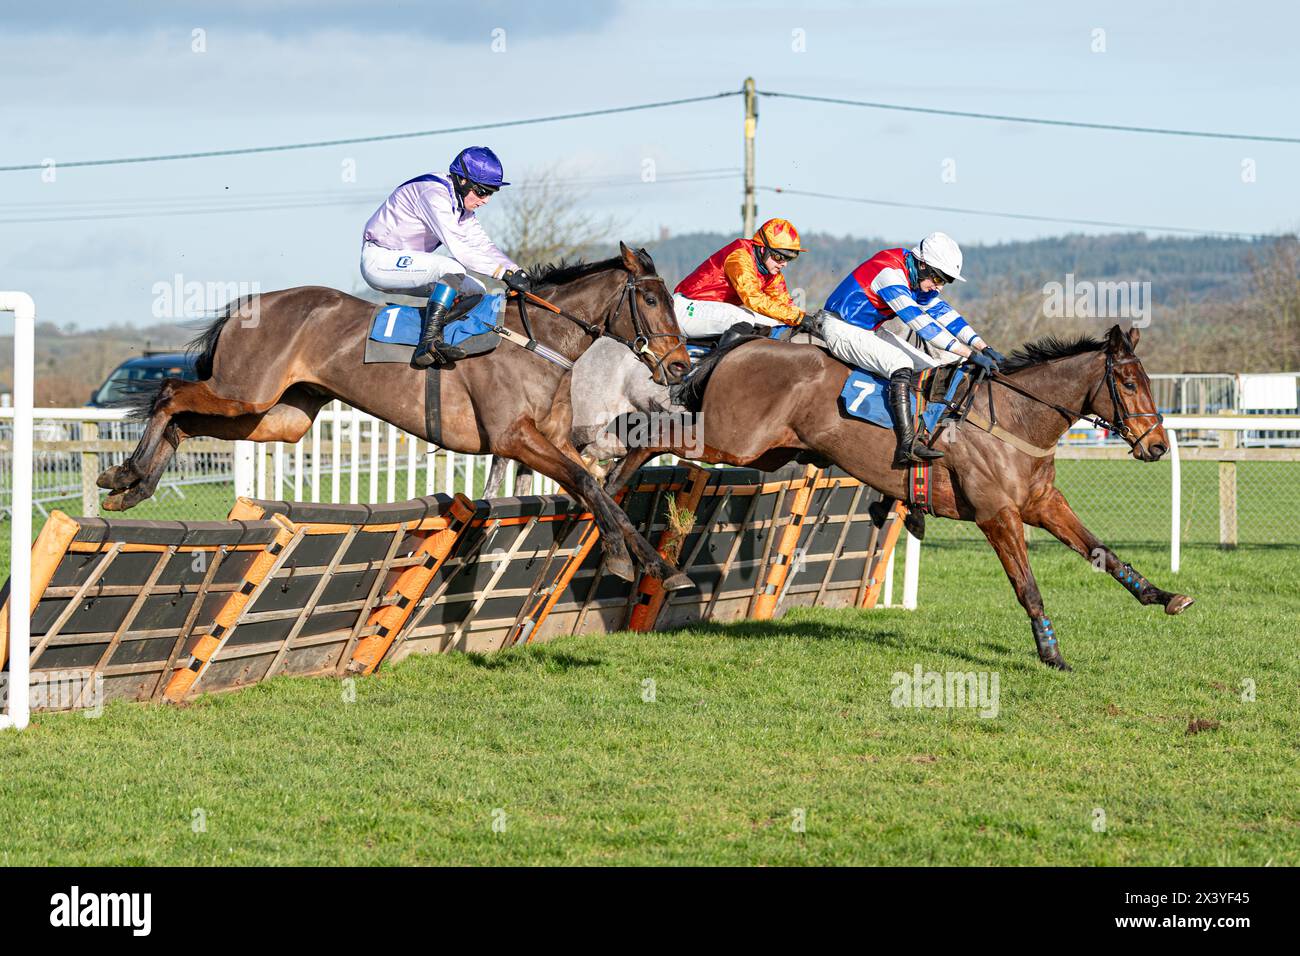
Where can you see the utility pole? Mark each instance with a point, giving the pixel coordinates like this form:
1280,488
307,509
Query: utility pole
749,211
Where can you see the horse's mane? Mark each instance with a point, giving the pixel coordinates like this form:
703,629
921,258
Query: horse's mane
558,273
1049,348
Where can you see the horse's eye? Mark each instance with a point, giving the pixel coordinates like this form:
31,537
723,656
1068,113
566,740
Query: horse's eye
1129,386
651,300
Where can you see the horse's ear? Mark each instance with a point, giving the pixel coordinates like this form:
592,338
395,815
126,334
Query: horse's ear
646,261
1133,336
1115,339
630,260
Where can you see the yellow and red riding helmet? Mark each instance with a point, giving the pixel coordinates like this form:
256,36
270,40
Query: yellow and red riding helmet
779,234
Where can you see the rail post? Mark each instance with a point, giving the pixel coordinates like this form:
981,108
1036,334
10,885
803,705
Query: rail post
17,706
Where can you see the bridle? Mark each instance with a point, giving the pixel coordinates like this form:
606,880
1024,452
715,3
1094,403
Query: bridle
1120,424
643,334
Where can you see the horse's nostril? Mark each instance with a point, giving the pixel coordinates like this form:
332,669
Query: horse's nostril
678,368
1158,450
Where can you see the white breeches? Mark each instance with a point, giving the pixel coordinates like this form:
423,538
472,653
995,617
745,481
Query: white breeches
881,351
699,319
413,273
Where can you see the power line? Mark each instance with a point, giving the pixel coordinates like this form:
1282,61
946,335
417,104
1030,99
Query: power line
1017,215
284,201
386,137
1038,121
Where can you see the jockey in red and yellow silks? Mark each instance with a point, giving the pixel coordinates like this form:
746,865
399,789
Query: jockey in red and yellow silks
741,282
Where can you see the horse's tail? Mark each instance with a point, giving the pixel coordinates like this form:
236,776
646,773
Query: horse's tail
204,346
141,397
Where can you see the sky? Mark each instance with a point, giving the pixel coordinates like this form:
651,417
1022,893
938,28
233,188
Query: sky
84,80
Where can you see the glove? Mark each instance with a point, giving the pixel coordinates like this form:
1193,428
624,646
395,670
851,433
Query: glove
518,280
983,361
997,357
812,321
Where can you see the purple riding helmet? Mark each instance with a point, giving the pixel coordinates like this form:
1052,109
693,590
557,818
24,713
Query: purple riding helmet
479,165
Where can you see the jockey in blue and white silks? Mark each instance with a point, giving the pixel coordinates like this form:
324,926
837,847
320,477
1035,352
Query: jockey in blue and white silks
902,284
425,238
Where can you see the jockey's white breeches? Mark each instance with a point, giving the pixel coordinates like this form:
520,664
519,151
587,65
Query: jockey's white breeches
700,319
881,352
413,273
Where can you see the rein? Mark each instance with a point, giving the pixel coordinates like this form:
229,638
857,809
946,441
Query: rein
1119,426
640,345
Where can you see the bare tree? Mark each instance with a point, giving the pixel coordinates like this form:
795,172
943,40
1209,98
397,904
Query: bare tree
543,219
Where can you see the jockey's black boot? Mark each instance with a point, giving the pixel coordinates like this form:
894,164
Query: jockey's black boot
900,383
432,348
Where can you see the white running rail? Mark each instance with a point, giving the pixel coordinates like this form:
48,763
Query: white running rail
20,536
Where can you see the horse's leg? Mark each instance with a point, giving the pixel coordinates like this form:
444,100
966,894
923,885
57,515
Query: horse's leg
626,468
528,445
1006,533
174,397
286,422
496,477
1054,514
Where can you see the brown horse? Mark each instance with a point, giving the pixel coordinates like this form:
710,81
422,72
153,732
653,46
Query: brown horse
264,376
749,419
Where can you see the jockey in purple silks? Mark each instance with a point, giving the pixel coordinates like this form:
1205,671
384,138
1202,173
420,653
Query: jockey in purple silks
430,213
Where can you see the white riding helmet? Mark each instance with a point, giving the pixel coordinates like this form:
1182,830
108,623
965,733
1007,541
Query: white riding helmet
940,251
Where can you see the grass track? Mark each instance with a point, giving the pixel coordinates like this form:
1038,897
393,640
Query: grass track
751,721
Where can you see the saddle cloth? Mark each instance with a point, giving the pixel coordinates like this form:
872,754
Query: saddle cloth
395,329
865,396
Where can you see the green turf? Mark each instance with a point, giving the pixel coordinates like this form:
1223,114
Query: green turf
752,722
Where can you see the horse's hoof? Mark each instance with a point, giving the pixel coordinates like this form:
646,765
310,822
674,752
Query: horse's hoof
1178,604
1056,662
117,478
114,502
678,582
621,567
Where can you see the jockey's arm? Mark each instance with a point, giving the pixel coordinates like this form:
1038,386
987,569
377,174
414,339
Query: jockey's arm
956,324
465,240
773,302
900,300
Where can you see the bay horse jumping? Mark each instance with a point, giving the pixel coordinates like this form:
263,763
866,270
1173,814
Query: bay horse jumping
270,362
768,403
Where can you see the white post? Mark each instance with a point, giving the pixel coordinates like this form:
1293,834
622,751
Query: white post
411,462
392,463
911,572
374,460
355,491
245,471
20,535
1175,502
336,450
315,460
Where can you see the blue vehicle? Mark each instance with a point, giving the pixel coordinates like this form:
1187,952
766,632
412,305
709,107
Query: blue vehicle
136,374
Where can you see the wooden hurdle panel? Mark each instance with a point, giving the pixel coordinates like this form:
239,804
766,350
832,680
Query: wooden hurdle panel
595,602
345,583
115,604
740,515
840,552
496,589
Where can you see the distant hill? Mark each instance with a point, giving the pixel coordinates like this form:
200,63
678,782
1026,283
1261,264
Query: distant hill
1197,268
